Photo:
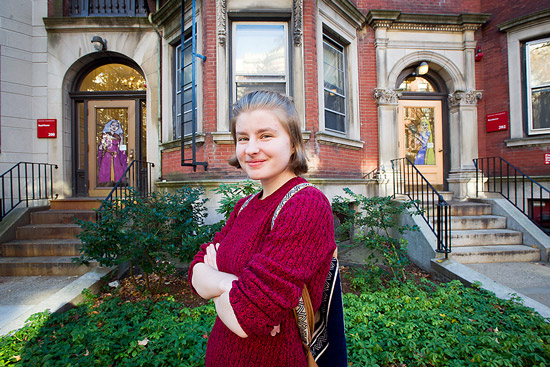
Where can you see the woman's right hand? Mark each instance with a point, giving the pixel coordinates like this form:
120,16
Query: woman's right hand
210,258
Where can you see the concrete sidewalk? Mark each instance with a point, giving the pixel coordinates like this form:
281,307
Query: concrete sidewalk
20,297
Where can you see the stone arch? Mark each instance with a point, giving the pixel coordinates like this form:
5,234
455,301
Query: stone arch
447,69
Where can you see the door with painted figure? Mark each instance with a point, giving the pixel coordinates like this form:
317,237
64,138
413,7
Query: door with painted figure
111,143
420,137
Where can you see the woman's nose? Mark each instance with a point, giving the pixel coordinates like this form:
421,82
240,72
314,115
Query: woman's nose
252,147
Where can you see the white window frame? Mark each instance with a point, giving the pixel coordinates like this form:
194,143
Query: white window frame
234,25
518,32
529,88
332,22
344,96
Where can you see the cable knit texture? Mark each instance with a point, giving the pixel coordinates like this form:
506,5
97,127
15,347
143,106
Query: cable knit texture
272,266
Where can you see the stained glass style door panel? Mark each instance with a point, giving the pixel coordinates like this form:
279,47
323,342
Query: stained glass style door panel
420,137
111,143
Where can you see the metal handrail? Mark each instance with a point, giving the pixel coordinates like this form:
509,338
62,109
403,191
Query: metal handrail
436,211
24,182
504,178
136,179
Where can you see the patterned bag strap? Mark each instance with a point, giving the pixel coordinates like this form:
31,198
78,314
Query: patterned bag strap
287,197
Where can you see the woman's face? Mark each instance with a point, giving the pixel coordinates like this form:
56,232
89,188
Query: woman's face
114,127
263,148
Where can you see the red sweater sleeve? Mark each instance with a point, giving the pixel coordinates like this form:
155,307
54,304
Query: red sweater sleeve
218,237
297,251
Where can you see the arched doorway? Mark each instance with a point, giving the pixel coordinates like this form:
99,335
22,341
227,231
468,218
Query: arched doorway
108,124
423,125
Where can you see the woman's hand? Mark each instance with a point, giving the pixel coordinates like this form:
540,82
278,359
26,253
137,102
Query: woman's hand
210,258
276,330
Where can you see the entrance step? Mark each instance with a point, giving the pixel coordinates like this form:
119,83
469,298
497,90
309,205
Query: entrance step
75,203
67,216
41,265
30,248
47,231
473,222
495,254
467,208
486,237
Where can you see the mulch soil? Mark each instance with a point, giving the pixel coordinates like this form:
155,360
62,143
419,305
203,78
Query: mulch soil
177,286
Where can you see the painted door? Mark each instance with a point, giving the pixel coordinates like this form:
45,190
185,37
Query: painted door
420,137
111,143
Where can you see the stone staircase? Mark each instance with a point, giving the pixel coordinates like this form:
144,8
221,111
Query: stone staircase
47,245
478,236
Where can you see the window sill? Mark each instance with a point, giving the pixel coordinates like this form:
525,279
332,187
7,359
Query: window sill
528,141
199,140
225,137
333,139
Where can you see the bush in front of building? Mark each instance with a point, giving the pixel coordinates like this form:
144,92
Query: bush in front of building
374,224
147,233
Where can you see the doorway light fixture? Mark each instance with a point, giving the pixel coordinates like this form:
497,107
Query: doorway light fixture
422,69
99,43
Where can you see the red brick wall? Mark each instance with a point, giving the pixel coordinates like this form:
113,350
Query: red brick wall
332,161
492,78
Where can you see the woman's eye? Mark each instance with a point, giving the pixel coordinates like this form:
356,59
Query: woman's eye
242,139
266,136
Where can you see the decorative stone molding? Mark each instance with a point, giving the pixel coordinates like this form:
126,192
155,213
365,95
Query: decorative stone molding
460,98
221,21
298,10
387,96
396,20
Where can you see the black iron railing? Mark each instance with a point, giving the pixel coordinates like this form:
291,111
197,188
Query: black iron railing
91,8
436,211
136,180
26,182
526,194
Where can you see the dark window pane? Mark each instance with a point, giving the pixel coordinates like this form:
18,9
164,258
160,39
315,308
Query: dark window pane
335,121
541,109
335,102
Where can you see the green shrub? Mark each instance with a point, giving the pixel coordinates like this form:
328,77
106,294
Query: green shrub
372,225
116,333
449,325
405,324
147,232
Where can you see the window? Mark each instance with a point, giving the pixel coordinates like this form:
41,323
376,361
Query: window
334,72
416,84
529,111
538,85
186,89
260,57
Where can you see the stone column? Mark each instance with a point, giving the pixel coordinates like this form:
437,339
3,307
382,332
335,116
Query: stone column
388,133
463,139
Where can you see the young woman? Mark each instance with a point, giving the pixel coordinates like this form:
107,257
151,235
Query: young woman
255,273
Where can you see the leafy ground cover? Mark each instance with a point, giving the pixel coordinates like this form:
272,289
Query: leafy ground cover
390,324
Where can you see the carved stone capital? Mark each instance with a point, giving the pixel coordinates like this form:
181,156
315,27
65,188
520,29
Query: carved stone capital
462,98
221,21
298,10
387,96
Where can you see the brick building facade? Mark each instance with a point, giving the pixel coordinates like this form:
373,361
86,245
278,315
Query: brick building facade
352,68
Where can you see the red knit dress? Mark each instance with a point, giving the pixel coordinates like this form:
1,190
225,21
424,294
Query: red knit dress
272,266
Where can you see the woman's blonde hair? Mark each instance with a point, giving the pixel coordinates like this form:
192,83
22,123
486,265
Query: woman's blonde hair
283,107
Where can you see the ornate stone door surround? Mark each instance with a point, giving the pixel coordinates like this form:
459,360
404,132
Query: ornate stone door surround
447,44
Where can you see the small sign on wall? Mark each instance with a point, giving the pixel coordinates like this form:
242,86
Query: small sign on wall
497,121
547,158
46,128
